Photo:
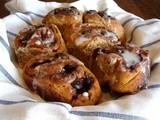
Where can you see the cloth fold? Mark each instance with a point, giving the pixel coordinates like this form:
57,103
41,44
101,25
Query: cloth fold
17,102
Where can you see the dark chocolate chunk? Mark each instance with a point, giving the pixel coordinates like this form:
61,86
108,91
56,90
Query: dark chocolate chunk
77,84
81,85
68,68
87,81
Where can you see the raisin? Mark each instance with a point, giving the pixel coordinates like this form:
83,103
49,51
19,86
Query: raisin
40,63
103,14
77,84
87,81
81,85
68,68
91,12
103,32
86,31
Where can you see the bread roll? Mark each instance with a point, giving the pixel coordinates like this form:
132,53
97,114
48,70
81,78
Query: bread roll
126,69
109,22
82,39
35,40
62,77
63,16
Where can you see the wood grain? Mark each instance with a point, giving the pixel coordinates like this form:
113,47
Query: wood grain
144,8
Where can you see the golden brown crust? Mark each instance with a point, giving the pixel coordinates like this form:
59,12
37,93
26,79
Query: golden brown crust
93,37
61,77
111,67
109,22
63,17
36,40
86,38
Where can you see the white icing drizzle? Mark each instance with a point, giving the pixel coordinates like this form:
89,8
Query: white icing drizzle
38,42
143,70
80,40
131,58
44,31
111,34
48,40
85,94
35,36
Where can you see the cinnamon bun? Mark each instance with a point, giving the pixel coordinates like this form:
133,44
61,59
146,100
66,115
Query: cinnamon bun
86,38
35,40
62,77
125,69
63,16
110,23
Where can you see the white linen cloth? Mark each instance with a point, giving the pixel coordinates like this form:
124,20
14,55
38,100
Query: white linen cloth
17,103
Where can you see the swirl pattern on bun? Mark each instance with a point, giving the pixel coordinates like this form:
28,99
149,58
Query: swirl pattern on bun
62,77
63,16
109,22
87,37
126,69
35,40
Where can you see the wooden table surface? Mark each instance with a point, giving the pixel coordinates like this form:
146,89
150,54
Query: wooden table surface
144,8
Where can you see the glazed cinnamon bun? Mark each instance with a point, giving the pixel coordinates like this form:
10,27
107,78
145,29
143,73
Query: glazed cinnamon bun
86,38
61,77
63,16
35,40
125,69
110,23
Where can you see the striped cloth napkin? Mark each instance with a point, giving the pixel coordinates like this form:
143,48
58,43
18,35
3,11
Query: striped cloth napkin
17,103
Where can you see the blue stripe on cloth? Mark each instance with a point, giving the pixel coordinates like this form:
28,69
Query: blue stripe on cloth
11,33
149,44
142,25
59,104
130,19
6,102
108,115
154,65
5,44
22,18
154,86
2,69
36,14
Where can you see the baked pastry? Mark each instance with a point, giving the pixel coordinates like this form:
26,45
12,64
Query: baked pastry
62,77
82,39
63,16
109,22
35,40
125,69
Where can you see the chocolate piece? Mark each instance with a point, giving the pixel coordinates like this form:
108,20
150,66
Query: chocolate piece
68,68
82,84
